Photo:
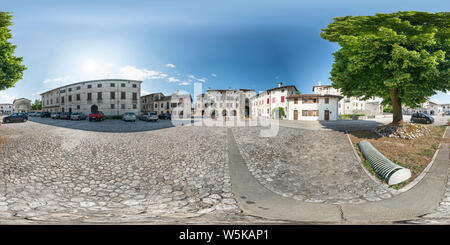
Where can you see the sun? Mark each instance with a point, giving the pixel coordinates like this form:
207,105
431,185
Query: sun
89,66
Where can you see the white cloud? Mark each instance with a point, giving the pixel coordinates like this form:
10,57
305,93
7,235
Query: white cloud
173,80
191,76
131,72
56,80
6,98
214,75
170,65
201,79
184,83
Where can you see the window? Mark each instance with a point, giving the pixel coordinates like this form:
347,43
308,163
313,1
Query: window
282,98
78,87
134,106
122,85
134,96
89,96
78,97
327,100
122,95
89,86
70,98
113,95
273,100
134,86
62,91
295,101
122,106
99,85
112,106
99,95
51,101
268,100
78,107
70,89
113,85
310,113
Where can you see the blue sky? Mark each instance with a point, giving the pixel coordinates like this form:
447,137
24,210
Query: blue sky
172,44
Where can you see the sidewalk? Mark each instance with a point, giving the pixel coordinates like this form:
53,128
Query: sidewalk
254,199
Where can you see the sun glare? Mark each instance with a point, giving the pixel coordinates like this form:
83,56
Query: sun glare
89,66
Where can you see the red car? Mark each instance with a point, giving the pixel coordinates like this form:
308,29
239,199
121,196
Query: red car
97,116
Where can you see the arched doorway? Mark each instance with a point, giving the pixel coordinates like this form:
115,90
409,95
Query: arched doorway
94,108
233,113
213,114
224,113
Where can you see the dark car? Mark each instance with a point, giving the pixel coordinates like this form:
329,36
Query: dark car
421,118
45,114
64,115
15,117
96,116
165,116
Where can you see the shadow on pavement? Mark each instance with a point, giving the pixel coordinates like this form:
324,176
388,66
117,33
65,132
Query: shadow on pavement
112,125
350,125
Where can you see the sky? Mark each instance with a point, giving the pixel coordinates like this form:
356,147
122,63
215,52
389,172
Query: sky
172,44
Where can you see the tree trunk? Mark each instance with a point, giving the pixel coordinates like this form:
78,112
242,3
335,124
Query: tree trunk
397,115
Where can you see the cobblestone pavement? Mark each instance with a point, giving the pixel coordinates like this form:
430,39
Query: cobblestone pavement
315,166
53,173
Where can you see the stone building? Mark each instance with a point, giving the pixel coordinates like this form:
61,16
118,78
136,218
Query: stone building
428,107
177,105
6,109
224,103
21,105
111,96
148,102
265,102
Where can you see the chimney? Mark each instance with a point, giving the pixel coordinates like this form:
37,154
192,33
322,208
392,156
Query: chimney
280,84
320,83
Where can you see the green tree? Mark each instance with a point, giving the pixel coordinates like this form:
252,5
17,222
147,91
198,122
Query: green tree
11,68
401,57
37,105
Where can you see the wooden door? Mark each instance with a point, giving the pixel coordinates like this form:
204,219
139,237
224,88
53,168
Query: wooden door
327,115
295,115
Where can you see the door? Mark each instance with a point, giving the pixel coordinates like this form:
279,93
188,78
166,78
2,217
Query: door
295,115
327,115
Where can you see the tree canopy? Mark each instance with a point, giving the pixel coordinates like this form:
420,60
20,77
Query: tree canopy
11,68
402,57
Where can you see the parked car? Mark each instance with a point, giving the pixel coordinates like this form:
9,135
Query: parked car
165,116
55,115
64,115
421,118
15,117
32,114
45,114
78,116
149,116
96,116
129,116
37,114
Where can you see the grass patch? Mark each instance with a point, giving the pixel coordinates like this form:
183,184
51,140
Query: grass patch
414,154
349,116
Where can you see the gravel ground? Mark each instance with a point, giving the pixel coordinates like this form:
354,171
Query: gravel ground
311,165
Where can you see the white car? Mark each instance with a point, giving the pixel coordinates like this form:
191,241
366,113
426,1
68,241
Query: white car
149,116
129,116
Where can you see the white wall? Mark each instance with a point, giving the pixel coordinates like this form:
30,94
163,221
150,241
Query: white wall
332,106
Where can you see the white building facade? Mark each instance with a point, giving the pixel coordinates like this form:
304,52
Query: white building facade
224,103
111,96
21,105
6,109
178,105
313,107
351,105
428,107
264,103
